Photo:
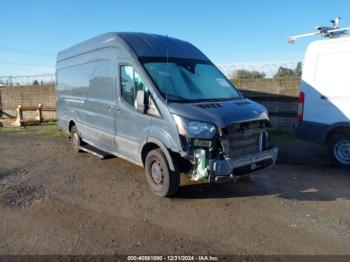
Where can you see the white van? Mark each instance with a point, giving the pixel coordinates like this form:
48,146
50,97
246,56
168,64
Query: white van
324,102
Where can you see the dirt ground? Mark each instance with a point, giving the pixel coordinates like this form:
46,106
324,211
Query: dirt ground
53,201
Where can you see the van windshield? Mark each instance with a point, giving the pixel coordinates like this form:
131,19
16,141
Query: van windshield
190,81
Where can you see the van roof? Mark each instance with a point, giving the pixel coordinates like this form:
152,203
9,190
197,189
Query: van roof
326,41
142,44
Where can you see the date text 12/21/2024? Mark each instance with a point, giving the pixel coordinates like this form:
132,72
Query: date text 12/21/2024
173,258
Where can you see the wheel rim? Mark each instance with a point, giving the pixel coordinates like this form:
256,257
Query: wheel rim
75,140
157,173
342,152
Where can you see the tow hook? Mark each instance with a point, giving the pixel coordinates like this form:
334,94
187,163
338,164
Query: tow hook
225,179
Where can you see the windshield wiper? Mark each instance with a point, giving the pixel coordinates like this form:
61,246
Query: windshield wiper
178,98
218,99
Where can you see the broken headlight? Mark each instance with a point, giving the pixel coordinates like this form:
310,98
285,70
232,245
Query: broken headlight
194,129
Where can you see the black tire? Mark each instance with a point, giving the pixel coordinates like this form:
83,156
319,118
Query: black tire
76,139
339,149
245,179
160,178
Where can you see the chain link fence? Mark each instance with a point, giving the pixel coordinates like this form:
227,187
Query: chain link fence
262,70
276,86
236,72
24,80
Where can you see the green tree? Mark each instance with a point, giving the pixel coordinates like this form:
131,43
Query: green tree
35,82
299,69
247,74
284,72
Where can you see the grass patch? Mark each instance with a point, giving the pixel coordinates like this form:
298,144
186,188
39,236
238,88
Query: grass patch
7,117
49,128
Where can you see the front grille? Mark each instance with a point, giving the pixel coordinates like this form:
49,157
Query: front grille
241,139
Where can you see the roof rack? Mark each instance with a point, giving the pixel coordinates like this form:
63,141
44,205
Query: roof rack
325,31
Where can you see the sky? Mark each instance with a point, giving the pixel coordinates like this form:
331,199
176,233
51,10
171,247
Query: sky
227,31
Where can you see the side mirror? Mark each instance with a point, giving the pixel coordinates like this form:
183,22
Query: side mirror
140,101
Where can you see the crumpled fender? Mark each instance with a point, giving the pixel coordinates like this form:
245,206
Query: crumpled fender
162,147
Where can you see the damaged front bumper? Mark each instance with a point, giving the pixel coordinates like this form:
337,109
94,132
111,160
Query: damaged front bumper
233,169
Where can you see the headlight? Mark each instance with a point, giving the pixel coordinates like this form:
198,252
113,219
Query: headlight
194,129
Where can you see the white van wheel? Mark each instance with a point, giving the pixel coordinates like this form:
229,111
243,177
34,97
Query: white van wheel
340,150
160,178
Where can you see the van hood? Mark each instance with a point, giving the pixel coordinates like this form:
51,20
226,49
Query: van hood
221,113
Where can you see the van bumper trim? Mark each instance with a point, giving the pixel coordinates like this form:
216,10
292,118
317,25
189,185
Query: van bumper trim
224,168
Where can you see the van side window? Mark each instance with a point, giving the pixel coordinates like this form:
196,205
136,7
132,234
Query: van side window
130,83
127,84
139,84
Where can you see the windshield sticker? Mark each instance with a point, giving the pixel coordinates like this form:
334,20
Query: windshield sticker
163,74
222,82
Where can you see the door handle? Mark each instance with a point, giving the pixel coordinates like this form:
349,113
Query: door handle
109,108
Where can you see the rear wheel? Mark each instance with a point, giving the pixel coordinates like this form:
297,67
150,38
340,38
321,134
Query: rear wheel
76,140
339,147
160,178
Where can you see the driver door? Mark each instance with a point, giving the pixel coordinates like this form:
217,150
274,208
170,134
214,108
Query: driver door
132,126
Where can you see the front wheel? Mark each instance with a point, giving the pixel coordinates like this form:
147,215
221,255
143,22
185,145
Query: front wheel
339,147
76,140
160,178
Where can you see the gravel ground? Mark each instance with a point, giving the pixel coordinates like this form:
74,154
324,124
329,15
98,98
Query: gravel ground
53,201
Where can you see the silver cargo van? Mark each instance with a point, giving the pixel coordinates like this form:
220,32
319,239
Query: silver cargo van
160,103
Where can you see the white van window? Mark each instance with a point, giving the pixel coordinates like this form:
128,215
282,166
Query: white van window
130,83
